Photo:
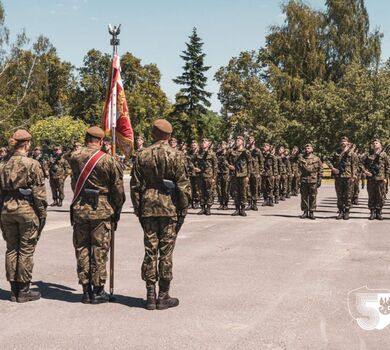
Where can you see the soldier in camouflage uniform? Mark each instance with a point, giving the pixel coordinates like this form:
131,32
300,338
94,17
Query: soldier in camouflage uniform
268,175
295,176
376,167
254,176
239,160
58,168
160,192
283,165
344,165
173,142
194,176
23,215
289,172
276,175
207,167
310,167
37,155
96,209
223,176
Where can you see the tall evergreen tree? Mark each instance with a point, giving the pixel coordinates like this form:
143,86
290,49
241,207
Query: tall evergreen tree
192,98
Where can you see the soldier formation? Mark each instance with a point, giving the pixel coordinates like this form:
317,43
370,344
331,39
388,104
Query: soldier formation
165,181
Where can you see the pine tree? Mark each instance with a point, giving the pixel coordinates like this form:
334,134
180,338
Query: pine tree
192,98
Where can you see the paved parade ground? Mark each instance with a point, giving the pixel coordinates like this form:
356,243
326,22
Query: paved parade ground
267,281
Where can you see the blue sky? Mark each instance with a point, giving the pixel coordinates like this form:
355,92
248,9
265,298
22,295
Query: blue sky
156,30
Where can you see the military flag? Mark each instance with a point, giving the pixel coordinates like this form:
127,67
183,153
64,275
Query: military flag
116,118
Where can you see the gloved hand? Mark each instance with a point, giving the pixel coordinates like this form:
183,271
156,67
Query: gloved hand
319,184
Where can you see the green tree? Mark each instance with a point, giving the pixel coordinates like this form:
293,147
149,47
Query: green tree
63,131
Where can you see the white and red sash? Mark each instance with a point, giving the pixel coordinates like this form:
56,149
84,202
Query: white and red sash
88,167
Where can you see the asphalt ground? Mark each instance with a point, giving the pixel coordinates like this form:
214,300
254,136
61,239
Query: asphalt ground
267,281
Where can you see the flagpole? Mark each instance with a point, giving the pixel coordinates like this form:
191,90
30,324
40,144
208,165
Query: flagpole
115,43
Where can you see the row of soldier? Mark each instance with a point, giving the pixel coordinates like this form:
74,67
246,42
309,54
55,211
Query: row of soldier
246,173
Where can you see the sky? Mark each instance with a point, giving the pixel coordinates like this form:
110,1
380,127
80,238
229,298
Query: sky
156,30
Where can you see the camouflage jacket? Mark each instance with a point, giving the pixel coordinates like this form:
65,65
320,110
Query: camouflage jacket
107,177
58,167
294,164
377,164
282,166
192,162
207,163
257,161
44,165
150,198
241,160
346,162
22,172
310,167
223,164
270,165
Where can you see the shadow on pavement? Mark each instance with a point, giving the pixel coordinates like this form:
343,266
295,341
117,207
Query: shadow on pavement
129,301
54,291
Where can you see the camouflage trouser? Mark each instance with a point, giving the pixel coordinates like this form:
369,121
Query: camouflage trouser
223,188
295,182
376,193
308,196
289,183
253,187
195,188
159,240
207,191
21,234
57,188
283,185
239,191
276,187
356,190
91,240
344,190
268,187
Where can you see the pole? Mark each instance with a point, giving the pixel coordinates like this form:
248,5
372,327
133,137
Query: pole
114,42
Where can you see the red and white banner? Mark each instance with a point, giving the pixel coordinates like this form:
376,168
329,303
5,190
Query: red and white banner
116,113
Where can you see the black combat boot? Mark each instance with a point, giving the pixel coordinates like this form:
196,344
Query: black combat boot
372,215
304,215
288,195
346,214
202,210
207,211
164,301
196,205
237,211
59,203
55,203
14,291
379,214
25,294
254,206
99,295
150,297
270,202
311,215
225,206
249,206
242,211
87,294
282,198
276,200
265,203
221,207
340,214
356,201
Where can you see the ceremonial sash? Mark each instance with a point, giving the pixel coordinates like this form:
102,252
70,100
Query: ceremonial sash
88,167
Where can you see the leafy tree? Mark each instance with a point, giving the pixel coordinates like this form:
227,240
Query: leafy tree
63,131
